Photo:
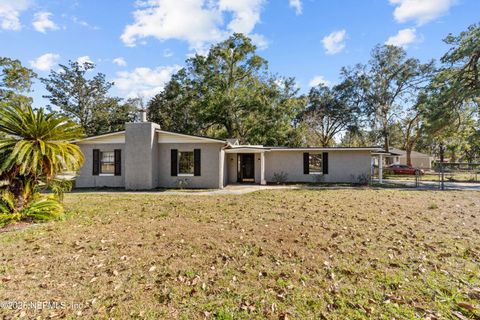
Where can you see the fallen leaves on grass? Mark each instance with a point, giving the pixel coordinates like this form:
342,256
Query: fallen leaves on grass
276,254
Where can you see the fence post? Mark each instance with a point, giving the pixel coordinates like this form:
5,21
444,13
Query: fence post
380,168
442,152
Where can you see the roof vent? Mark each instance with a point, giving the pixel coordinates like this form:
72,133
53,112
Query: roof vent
233,142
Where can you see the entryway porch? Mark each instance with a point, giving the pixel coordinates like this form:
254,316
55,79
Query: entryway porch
245,165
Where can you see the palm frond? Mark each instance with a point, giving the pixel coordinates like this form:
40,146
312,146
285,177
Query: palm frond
38,143
43,209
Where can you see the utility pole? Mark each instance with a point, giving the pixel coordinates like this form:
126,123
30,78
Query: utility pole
442,153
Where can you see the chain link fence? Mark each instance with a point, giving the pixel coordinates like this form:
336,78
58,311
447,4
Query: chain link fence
455,175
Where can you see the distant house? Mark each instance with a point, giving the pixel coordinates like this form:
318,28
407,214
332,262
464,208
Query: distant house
146,157
419,160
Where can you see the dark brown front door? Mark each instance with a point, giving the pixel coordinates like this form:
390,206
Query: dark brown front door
246,167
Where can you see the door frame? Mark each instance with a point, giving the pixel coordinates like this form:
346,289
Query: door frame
240,159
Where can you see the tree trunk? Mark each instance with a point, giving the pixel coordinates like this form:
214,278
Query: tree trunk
388,160
229,127
22,191
386,142
453,157
325,140
20,201
409,155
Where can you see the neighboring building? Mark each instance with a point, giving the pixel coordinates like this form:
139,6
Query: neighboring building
146,157
419,160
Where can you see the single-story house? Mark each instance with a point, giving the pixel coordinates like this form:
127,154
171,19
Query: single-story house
419,160
146,157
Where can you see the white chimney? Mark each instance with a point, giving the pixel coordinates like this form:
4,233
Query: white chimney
143,115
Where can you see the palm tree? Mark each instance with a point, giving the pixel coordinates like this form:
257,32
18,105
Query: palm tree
36,147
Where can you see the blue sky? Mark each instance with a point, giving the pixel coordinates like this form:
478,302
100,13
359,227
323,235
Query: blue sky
139,44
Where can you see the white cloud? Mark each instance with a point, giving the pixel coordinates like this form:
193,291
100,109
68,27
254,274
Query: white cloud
165,19
83,23
144,82
297,5
403,38
42,23
335,42
10,11
246,14
318,80
421,11
84,59
198,22
259,41
167,53
120,61
45,62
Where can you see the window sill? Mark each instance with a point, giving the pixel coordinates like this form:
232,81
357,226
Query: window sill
315,173
106,174
185,174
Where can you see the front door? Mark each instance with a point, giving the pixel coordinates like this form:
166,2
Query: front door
246,167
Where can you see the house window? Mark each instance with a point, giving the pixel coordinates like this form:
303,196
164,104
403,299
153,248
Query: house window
315,163
185,163
107,162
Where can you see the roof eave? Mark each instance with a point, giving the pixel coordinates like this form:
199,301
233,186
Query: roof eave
191,135
99,136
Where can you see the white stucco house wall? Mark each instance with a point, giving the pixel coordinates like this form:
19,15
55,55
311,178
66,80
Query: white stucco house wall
144,156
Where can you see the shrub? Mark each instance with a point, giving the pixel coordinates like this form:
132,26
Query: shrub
7,202
319,178
35,147
7,205
280,177
363,179
59,187
6,218
182,183
45,208
40,208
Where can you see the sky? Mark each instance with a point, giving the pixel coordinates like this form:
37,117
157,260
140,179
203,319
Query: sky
140,44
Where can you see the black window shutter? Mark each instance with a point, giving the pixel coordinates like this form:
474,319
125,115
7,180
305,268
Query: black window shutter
96,162
196,162
306,163
174,162
325,162
118,162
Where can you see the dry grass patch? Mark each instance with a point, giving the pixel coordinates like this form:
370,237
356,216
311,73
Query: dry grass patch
273,254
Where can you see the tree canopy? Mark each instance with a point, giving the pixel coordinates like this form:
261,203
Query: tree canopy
328,113
229,94
390,100
86,100
452,107
387,85
15,81
456,87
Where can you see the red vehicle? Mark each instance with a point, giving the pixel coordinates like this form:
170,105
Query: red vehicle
404,169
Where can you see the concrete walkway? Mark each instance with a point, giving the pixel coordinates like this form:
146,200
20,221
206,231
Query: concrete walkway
244,189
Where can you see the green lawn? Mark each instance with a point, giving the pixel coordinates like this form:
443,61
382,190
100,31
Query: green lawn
297,254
